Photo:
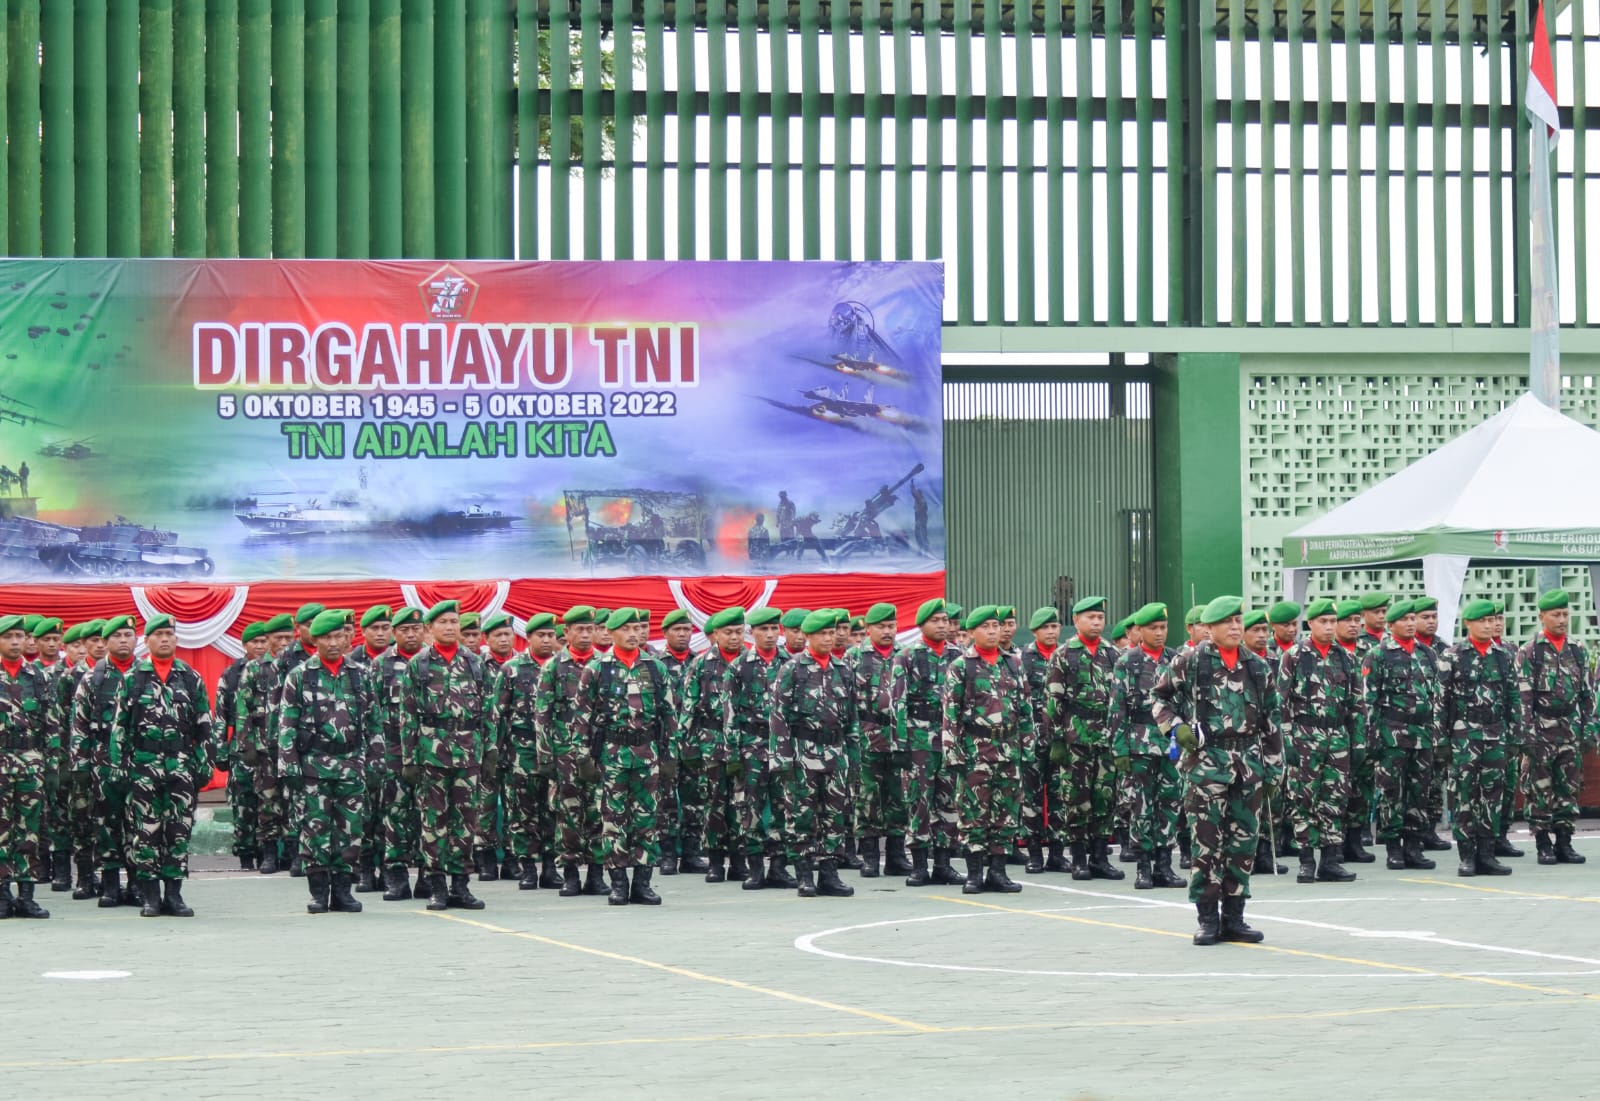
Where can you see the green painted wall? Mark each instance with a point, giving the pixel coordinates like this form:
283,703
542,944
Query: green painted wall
1195,401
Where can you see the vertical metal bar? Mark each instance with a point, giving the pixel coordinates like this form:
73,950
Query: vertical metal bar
688,115
255,141
1209,274
1178,108
322,138
1353,127
1497,224
843,160
189,128
89,38
22,96
478,78
1145,152
624,114
655,127
965,291
1580,166
155,128
387,217
778,41
872,119
1116,279
56,31
717,119
503,120
1382,38
1297,160
5,128
1239,254
288,128
560,53
222,133
1083,168
935,244
1408,45
353,234
122,128
994,165
903,221
811,129
450,127
1441,261
749,131
1520,159
416,128
1467,227
1324,16
593,126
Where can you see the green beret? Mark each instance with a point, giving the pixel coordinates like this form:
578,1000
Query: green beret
1193,615
283,621
1007,611
1399,610
1424,604
1089,604
159,622
579,613
92,628
1549,602
728,617
1284,611
1347,608
72,634
858,623
1373,601
673,618
763,616
1120,628
795,618
496,621
326,622
307,613
45,626
1319,608
1499,607
879,613
624,616
1477,609
349,616
119,623
1043,617
378,613
820,620
561,631
928,609
469,621
980,614
544,621
9,623
1221,608
1155,612
952,610
440,609
601,615
841,617
407,614
30,621
1254,618
253,631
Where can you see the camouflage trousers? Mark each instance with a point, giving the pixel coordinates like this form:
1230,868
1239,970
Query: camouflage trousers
246,806
1223,804
530,817
160,817
377,784
880,797
488,836
1553,773
577,810
21,827
1089,795
111,820
83,830
447,812
930,798
1480,776
294,802
272,815
852,788
1404,778
58,808
822,808
1320,790
1363,793
667,812
630,833
1157,794
694,803
1041,778
402,823
331,836
765,788
722,813
1442,786
1513,785
989,806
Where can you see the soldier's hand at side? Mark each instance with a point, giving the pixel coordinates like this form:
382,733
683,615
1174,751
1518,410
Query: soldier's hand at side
1186,737
733,768
1059,753
901,759
1123,765
252,755
669,769
588,771
491,763
1358,756
410,774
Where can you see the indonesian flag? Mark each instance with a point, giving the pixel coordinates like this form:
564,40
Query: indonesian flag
1541,95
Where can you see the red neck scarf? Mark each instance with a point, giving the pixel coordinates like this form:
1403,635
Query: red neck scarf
446,652
371,653
13,668
1155,655
162,666
1230,658
333,666
1409,645
47,660
884,651
1558,643
1322,649
681,655
627,657
1481,647
936,647
583,658
1282,645
122,664
1351,646
503,658
1092,647
1046,652
767,655
1375,636
820,659
990,657
1426,640
727,657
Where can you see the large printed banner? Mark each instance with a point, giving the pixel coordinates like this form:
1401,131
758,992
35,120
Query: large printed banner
164,420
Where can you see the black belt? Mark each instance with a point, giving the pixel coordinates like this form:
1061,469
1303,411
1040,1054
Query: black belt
634,739
1231,741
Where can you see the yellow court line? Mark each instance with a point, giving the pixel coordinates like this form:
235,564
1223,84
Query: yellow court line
1498,890
1380,965
699,976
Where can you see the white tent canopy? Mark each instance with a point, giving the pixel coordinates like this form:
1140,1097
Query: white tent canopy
1519,488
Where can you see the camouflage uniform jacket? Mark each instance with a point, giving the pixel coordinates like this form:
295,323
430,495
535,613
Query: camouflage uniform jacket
386,678
558,706
1402,695
678,668
916,692
1318,694
227,700
748,693
1479,700
446,723
1036,669
516,692
66,691
163,729
870,674
1234,708
988,717
94,713
252,714
294,654
1079,691
627,715
813,713
1557,697
1133,728
327,727
705,710
30,724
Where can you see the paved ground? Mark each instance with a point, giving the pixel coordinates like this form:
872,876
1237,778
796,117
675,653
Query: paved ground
1416,985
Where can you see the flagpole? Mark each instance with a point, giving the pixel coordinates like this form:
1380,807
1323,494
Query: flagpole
1544,315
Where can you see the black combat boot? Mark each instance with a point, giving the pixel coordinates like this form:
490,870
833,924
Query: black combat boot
269,860
1080,862
1468,858
297,867
550,877
778,875
1487,864
1264,863
484,863
396,884
1411,849
805,886
1185,852
619,887
131,895
829,883
716,873
1433,843
460,896
641,892
1057,861
7,902
1394,857
1142,873
529,880
669,863
438,893
1286,842
754,873
320,883
592,881
424,887
1100,866
341,901
1353,852
869,858
110,888
1035,864
570,887
974,882
737,868
1565,853
1332,870
1504,847
149,898
173,905
61,863
87,888
368,880
894,858
997,880
1308,866
25,907
511,866
1233,923
1210,924
1161,873
1126,853
851,858
247,862
694,861
919,876
1544,846
943,873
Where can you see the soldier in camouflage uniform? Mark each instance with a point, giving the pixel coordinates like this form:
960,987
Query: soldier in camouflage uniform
1349,633
759,786
242,797
988,728
1559,720
30,735
294,794
701,740
1427,609
529,788
1217,701
1402,698
445,745
880,796
916,692
80,806
1480,708
327,738
1141,752
1079,687
499,647
813,713
676,631
254,726
396,802
693,785
1038,770
95,704
377,635
577,776
162,740
627,722
1514,750
55,854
